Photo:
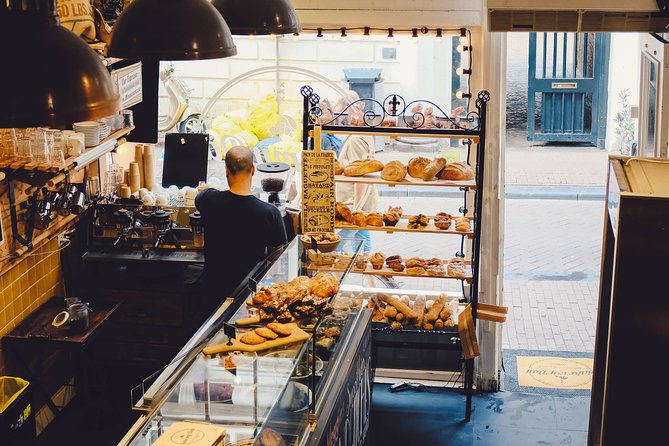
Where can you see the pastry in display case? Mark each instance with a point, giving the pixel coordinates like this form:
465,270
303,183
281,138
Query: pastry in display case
260,379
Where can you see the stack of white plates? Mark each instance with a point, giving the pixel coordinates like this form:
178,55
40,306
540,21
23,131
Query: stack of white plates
91,130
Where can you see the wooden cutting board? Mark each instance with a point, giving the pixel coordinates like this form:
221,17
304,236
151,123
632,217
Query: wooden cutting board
298,335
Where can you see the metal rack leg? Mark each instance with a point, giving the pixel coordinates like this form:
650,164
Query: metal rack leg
469,384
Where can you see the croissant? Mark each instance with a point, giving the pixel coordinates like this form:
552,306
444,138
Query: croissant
374,219
342,211
359,218
394,171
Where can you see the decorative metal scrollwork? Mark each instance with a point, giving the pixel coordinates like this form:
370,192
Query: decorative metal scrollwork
393,111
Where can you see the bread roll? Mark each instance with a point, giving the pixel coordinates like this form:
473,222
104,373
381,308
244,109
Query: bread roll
339,167
457,172
416,166
433,168
362,167
394,171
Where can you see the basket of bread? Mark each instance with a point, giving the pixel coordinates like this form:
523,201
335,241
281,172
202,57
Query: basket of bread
403,313
323,241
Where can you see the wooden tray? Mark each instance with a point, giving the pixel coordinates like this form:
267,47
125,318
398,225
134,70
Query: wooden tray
402,226
298,335
375,178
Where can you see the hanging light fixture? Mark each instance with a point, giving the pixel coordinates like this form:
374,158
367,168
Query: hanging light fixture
259,17
51,77
170,30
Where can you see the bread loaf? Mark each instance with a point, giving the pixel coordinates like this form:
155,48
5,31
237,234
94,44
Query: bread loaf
457,172
416,166
362,167
339,168
394,171
433,168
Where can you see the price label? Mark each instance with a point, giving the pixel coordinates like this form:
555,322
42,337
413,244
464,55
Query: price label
318,189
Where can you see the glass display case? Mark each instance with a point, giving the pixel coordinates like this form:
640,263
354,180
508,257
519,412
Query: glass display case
257,393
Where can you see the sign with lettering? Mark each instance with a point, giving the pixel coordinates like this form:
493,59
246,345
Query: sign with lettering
128,82
318,189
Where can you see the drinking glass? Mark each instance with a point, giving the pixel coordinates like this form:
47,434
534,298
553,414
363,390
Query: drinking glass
41,152
24,151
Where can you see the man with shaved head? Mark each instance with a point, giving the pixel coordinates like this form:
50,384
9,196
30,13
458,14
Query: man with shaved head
239,229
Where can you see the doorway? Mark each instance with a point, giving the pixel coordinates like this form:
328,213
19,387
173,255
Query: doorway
567,87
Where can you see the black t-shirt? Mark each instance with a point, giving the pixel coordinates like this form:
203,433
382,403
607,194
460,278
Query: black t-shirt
238,229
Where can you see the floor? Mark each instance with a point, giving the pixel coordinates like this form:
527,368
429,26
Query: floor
435,417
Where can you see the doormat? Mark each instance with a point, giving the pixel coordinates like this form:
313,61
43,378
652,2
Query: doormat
555,373
511,369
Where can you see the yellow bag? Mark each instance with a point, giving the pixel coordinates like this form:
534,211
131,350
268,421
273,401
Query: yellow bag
262,116
10,389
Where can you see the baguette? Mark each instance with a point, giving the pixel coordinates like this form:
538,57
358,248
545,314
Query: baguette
419,308
399,305
248,321
438,305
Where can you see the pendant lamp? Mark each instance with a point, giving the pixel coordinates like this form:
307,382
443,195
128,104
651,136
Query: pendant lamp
50,77
259,17
170,30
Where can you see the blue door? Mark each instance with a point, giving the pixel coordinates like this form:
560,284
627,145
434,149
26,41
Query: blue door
567,87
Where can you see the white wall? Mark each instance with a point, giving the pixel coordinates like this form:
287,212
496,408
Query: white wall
420,71
624,71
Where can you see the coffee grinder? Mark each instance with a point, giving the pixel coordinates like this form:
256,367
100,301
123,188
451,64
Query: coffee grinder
273,179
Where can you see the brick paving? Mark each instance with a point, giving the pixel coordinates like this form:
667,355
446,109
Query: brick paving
541,164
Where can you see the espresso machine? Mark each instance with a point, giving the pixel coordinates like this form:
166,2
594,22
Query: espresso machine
128,230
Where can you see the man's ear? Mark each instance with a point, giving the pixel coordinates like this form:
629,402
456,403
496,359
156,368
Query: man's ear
253,170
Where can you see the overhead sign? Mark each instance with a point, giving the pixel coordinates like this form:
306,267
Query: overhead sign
318,188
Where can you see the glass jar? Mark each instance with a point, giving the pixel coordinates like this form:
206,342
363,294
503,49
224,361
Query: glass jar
79,320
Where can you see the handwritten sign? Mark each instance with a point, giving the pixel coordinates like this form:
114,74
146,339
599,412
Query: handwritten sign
318,188
128,82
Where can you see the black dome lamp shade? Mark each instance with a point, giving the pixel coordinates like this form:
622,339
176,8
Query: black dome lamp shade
50,76
259,17
170,30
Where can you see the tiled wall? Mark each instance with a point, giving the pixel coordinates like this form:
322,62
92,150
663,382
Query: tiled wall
27,285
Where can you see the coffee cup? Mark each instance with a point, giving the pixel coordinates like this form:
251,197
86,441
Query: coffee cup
76,143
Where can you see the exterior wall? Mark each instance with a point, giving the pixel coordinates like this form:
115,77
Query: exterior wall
624,72
419,71
516,80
